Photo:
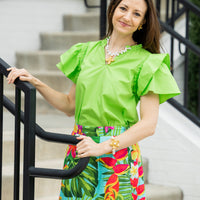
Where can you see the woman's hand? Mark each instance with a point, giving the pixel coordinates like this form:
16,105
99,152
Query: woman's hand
87,147
22,74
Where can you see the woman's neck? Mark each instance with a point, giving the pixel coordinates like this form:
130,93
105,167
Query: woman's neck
120,42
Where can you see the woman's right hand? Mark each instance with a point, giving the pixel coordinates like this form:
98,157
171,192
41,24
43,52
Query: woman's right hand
22,74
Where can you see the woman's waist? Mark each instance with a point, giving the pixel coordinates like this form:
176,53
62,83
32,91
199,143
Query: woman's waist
98,131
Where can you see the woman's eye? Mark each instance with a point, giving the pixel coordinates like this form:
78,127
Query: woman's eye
123,8
137,14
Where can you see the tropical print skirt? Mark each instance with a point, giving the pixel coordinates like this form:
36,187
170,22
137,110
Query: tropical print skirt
107,177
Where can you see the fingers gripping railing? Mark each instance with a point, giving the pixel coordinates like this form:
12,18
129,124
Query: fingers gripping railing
30,130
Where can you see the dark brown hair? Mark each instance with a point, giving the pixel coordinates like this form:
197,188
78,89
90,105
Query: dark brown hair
149,35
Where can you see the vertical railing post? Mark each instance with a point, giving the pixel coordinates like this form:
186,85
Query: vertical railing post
1,131
17,143
167,11
172,38
158,7
103,19
29,143
186,74
199,93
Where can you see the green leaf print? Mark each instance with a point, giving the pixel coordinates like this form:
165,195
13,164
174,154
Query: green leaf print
85,183
66,189
88,188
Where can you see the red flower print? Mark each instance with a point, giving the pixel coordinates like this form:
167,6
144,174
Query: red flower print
134,196
112,187
134,182
140,171
72,150
121,154
121,169
108,162
107,128
140,190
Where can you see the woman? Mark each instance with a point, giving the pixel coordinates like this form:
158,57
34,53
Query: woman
110,77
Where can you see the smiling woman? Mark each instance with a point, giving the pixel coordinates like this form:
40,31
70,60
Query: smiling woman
110,77
128,17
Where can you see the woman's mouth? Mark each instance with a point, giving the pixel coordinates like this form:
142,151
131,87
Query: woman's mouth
124,24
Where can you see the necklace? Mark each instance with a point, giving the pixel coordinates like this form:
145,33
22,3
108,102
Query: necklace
111,56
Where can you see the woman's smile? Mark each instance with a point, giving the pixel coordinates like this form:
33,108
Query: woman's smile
124,24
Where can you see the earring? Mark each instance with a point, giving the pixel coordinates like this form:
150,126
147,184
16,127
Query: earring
140,27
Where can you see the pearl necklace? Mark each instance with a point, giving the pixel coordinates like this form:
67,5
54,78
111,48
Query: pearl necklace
113,54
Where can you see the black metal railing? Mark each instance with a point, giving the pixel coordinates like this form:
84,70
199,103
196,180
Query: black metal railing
31,130
103,20
174,9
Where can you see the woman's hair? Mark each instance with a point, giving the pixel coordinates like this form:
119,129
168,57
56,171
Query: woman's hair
149,35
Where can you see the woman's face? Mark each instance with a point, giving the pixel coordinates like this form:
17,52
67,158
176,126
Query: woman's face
128,15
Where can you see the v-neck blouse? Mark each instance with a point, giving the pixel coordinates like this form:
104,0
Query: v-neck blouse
107,94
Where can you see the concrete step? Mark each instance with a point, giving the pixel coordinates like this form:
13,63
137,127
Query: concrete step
153,192
38,60
64,40
42,106
55,79
159,192
43,187
84,22
48,198
44,150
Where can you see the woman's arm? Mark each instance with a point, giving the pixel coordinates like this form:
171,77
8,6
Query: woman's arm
62,102
149,109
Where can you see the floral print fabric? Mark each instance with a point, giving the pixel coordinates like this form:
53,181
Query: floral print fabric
107,177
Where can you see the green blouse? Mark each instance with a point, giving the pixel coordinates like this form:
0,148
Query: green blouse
107,95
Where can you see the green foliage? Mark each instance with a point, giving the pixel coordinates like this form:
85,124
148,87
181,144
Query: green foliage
194,62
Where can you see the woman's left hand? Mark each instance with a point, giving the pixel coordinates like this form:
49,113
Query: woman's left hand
87,147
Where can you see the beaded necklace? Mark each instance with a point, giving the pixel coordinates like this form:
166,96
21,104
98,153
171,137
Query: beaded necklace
113,54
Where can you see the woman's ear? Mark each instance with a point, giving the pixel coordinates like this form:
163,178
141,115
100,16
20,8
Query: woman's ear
144,21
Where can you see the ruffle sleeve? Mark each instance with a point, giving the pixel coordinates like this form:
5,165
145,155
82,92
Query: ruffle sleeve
156,77
70,61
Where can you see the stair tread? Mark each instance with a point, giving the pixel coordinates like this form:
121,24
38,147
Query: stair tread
151,191
154,191
52,164
40,52
90,14
74,33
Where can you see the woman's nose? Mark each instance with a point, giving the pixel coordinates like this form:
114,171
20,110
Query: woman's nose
127,16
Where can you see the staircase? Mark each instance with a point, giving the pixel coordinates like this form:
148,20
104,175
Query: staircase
41,63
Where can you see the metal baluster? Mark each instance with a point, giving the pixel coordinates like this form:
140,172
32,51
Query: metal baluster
1,131
167,11
186,74
172,38
199,93
17,143
103,19
29,143
158,7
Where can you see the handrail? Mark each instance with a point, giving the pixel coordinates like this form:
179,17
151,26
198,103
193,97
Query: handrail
69,139
89,6
191,6
183,40
48,136
185,111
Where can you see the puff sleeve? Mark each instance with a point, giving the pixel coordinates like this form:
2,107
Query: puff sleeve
70,61
155,76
